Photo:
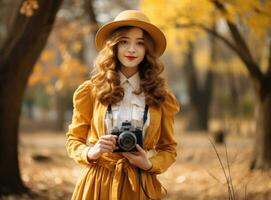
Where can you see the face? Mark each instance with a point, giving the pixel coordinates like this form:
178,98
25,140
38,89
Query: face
131,49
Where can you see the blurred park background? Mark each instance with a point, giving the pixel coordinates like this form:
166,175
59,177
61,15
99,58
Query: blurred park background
218,64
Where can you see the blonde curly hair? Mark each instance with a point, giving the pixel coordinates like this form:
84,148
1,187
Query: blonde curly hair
106,80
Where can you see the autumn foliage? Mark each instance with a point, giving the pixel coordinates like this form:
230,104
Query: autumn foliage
60,67
185,21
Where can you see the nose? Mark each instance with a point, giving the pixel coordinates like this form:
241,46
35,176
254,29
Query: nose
131,48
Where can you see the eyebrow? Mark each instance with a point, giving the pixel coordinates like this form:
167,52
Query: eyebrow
124,37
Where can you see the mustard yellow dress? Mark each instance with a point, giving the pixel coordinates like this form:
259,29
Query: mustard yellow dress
112,177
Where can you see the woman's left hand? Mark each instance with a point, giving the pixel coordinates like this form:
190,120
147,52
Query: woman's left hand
139,158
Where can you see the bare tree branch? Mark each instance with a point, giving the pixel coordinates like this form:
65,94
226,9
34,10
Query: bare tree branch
88,7
243,50
211,32
245,54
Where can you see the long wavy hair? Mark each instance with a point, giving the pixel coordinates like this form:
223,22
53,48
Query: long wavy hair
106,80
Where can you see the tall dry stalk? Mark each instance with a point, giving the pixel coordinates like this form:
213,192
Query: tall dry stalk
228,176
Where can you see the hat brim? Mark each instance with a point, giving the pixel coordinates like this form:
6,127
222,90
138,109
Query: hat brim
156,34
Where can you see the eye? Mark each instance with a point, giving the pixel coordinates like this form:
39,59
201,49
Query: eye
140,43
123,42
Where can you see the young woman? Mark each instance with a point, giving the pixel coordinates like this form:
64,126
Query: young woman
125,87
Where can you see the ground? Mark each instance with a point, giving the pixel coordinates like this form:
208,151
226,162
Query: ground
196,175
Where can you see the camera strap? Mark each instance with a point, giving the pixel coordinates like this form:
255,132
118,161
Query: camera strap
139,171
145,116
109,109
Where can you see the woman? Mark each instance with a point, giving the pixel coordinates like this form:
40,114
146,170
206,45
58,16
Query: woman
126,86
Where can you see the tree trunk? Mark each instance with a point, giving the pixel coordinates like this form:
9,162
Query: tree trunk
234,95
262,150
200,104
20,51
193,90
60,109
10,103
89,9
200,97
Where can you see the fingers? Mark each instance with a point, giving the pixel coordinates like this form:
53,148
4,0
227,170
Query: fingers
109,138
129,156
106,148
106,143
140,149
138,160
141,152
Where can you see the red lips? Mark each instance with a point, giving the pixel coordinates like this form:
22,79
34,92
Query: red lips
130,57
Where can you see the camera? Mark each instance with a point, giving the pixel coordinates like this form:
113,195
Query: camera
128,137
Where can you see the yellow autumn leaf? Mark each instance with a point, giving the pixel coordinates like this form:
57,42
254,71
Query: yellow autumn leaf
48,55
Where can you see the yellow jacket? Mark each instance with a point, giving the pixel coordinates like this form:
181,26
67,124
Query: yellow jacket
112,176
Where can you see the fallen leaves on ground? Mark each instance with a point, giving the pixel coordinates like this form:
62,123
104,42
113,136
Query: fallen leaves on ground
196,175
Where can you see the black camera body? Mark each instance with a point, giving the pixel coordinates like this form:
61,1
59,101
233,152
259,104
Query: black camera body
128,137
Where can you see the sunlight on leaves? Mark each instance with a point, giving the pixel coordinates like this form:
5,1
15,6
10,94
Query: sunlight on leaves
28,7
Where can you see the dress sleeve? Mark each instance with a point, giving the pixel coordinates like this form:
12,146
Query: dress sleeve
166,145
78,130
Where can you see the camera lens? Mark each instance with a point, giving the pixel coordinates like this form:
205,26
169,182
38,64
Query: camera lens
127,140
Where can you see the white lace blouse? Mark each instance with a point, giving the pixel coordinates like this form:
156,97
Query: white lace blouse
131,108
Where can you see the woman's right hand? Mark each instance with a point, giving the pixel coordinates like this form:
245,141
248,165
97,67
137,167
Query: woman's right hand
105,144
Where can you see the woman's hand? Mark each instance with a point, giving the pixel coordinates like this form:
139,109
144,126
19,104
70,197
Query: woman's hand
105,144
139,158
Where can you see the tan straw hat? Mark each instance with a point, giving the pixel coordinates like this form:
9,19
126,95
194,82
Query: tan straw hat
132,18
